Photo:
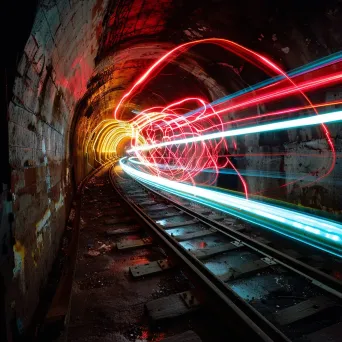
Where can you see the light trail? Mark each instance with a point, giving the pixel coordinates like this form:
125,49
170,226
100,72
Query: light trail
273,94
307,68
286,124
178,50
175,141
310,67
105,138
248,173
312,230
282,85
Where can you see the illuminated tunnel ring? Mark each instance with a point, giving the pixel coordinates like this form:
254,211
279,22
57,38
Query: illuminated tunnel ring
199,156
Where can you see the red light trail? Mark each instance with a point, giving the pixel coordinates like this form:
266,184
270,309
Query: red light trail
172,123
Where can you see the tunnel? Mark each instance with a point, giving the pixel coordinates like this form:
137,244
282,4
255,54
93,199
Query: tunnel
232,98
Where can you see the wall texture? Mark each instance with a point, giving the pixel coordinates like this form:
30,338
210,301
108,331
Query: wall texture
57,61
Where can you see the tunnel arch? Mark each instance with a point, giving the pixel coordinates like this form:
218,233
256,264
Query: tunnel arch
103,90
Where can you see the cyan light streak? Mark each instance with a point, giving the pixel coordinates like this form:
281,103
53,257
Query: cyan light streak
281,125
312,230
323,62
246,173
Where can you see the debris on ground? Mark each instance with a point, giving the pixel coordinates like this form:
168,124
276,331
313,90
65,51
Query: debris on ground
92,253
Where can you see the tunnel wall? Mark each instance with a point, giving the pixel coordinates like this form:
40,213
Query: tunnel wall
301,154
52,73
114,74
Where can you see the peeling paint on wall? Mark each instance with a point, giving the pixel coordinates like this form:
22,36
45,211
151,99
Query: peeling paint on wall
59,204
19,264
43,221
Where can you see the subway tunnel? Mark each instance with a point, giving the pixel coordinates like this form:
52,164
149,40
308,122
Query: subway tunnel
86,83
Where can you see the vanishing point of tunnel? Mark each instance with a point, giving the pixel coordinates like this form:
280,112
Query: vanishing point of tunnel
171,170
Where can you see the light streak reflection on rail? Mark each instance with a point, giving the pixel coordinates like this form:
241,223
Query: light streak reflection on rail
315,231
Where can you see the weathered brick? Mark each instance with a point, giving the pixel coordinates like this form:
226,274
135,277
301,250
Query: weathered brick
25,201
31,47
71,48
52,16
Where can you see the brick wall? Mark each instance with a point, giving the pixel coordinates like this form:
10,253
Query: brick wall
53,71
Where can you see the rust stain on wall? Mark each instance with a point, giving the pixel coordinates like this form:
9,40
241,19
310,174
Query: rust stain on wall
19,262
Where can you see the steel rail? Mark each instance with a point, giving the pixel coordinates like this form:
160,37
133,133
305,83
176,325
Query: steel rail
256,325
316,276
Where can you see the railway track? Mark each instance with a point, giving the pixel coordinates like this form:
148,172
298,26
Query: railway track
268,294
110,301
154,267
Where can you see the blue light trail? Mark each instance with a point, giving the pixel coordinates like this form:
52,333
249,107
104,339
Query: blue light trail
320,233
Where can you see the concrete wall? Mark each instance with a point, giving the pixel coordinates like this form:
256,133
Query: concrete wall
58,60
301,159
